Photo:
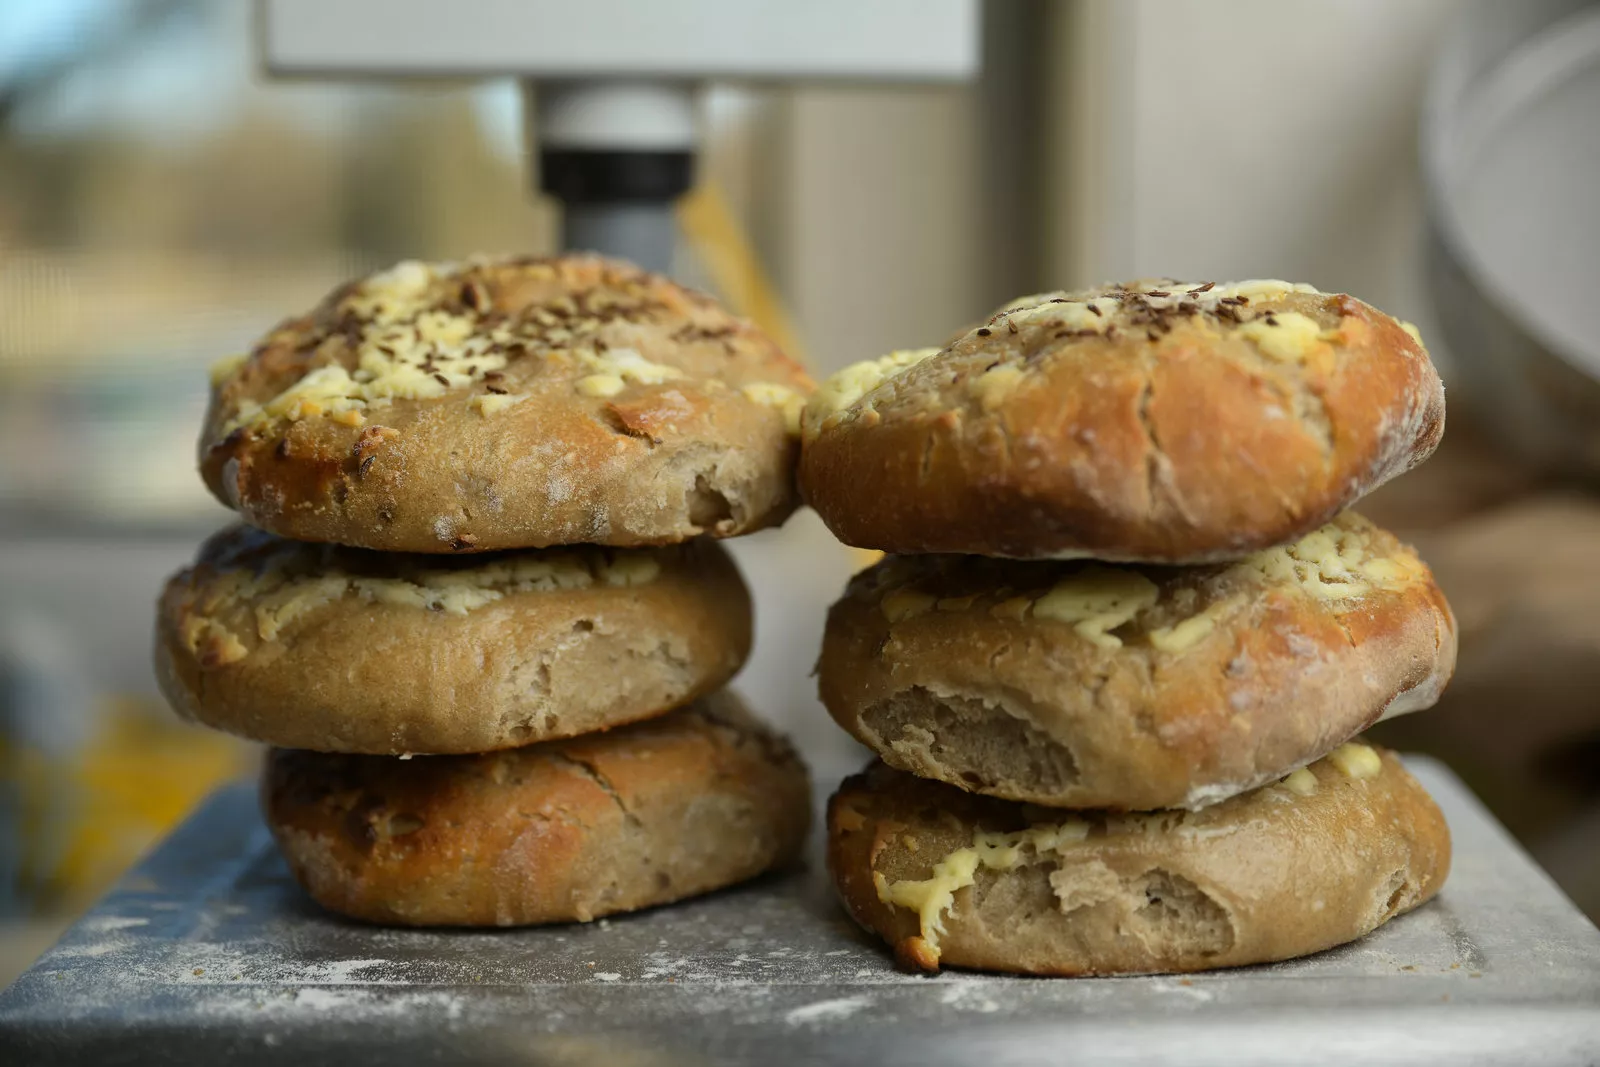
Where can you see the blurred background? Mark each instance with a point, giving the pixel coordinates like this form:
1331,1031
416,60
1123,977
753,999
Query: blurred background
163,202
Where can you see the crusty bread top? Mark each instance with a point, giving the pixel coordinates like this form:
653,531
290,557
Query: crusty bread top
247,587
1158,421
409,377
1147,309
421,331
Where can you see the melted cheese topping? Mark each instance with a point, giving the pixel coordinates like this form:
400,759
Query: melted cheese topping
1070,314
278,595
1184,635
1098,309
1356,760
901,604
931,897
785,399
214,643
612,370
601,385
1097,600
1254,289
831,402
296,600
1289,336
408,342
407,349
992,387
1286,336
324,390
390,295
487,404
1333,563
1301,782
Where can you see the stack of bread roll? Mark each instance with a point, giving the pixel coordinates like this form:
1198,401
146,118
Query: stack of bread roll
482,500
1115,665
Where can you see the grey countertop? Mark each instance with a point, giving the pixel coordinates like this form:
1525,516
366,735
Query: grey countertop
209,952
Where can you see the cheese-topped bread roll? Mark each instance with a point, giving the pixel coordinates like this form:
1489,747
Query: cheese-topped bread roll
507,403
345,650
1158,421
1081,684
1322,857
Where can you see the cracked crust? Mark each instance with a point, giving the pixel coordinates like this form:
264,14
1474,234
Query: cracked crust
1287,870
566,830
345,650
508,403
1157,422
1085,685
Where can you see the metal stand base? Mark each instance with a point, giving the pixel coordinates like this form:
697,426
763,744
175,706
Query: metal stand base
208,953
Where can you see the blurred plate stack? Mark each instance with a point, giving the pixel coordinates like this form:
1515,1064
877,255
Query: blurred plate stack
1511,158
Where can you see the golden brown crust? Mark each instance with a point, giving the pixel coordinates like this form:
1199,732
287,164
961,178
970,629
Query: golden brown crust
561,831
1089,685
1171,427
345,650
1284,871
509,403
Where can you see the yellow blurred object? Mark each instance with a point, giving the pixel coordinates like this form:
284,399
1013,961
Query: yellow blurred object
83,817
862,558
731,260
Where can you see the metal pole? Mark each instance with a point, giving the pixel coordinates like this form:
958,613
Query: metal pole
617,154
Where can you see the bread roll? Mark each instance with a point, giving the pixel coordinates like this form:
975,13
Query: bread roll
1328,854
507,403
1158,421
561,831
345,650
1110,685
